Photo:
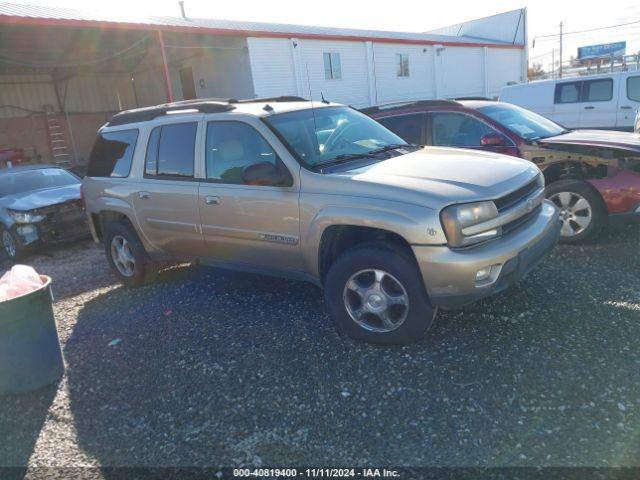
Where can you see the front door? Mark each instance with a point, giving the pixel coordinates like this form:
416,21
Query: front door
461,130
247,224
628,102
166,202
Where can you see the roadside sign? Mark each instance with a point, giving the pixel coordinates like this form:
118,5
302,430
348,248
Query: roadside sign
603,50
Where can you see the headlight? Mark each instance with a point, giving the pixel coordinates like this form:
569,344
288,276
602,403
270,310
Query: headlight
25,217
456,217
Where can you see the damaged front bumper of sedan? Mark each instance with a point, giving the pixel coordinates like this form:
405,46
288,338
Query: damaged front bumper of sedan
50,225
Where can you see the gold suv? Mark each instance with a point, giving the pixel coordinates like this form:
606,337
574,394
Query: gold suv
321,192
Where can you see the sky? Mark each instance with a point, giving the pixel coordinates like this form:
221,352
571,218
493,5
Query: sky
544,16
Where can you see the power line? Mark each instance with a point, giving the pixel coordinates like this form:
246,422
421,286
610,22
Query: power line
588,30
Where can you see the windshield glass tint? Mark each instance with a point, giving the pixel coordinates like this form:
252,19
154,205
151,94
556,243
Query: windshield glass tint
21,182
522,122
320,135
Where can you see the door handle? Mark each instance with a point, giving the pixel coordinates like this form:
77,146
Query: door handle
144,195
626,107
212,200
590,107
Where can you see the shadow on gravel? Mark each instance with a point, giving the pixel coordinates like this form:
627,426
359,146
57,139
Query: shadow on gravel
21,419
215,368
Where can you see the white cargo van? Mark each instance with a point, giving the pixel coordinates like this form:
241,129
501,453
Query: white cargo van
605,101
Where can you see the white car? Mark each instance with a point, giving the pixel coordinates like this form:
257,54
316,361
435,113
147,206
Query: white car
606,101
636,123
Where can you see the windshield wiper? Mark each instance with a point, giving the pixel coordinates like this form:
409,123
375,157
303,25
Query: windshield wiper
345,157
394,146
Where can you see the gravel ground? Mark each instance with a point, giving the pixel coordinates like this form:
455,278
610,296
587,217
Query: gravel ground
207,367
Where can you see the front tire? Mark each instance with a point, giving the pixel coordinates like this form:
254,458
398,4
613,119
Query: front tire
127,257
375,293
582,212
9,244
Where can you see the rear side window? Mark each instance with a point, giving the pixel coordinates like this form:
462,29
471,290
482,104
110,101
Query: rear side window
407,127
171,151
597,90
567,92
112,154
633,88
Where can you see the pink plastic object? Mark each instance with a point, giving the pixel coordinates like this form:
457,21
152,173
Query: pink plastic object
20,280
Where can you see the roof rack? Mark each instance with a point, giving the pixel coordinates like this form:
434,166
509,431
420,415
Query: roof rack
204,105
149,113
409,104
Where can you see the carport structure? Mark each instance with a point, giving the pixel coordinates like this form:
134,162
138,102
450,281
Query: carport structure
62,78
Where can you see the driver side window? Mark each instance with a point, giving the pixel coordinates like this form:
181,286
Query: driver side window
233,146
450,129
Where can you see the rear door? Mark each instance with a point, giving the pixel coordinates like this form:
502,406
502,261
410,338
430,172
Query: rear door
409,126
629,101
166,202
566,104
598,103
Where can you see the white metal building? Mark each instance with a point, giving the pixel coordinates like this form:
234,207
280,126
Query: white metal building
84,66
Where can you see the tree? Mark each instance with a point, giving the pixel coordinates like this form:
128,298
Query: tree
535,71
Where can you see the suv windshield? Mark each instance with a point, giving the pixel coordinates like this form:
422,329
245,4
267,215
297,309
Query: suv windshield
527,124
332,134
27,181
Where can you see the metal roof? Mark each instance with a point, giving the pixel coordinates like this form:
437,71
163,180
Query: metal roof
11,13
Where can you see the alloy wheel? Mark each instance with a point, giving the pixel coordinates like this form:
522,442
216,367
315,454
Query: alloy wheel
9,244
376,300
122,256
575,212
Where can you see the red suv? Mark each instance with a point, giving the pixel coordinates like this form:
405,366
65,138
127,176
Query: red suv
591,175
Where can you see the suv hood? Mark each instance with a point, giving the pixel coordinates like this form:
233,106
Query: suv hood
41,198
442,176
597,138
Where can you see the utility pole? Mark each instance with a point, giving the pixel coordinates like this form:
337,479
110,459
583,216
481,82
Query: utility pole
560,66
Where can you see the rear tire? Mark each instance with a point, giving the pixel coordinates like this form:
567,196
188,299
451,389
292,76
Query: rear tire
582,210
127,257
375,293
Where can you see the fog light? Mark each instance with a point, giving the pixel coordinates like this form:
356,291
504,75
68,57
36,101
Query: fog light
483,274
487,275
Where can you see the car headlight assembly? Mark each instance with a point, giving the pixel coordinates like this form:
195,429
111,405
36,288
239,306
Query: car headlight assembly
456,217
25,217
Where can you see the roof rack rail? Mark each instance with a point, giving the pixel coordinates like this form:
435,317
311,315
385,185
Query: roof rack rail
149,113
409,104
282,98
474,98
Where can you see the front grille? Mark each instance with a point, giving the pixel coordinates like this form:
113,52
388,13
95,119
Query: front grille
518,222
515,197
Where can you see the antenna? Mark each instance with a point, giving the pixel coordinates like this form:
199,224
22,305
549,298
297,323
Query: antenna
313,110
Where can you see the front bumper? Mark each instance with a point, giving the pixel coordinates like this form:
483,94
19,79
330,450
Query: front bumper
450,275
58,227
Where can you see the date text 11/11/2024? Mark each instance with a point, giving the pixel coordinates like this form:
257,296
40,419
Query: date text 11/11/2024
316,472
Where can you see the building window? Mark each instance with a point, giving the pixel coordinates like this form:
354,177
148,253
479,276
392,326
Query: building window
332,66
402,64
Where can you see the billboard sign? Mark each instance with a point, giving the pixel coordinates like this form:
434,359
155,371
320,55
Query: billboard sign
603,50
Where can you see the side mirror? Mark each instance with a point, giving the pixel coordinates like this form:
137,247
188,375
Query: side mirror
265,173
492,140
